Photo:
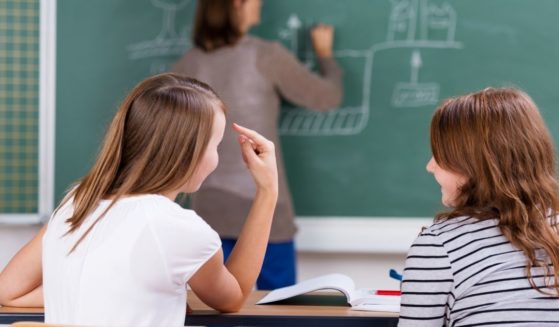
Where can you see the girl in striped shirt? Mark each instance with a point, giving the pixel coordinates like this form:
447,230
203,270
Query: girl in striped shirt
491,259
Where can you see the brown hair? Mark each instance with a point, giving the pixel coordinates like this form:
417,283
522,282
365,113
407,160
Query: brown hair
216,24
153,144
497,140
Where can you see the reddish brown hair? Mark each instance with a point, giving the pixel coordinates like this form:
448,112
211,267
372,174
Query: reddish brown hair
497,139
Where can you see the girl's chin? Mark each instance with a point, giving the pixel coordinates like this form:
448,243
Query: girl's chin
446,202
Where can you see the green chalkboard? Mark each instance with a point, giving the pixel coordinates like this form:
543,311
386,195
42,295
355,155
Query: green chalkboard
401,57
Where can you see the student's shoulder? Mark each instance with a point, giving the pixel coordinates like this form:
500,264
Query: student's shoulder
161,210
169,220
433,239
454,227
441,226
182,237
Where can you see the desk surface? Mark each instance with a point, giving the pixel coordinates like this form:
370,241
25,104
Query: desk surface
321,309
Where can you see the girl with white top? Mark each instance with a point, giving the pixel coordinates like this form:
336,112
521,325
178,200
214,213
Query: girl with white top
118,250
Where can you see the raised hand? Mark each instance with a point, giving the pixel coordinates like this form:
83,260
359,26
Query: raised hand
260,157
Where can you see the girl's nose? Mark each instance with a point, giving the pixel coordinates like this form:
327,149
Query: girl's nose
430,165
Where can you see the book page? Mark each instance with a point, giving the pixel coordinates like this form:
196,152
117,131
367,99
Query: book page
339,282
368,297
377,307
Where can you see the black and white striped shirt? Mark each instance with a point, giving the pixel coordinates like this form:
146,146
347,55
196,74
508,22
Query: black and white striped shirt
464,272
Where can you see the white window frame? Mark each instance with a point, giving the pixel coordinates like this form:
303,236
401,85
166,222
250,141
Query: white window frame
47,105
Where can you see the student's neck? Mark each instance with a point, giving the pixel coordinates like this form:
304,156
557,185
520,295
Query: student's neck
171,195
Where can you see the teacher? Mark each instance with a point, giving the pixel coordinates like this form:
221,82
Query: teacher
252,75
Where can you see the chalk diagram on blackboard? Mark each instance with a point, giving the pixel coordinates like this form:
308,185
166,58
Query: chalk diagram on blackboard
414,24
168,44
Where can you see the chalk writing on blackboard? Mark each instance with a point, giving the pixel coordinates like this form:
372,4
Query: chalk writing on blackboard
168,44
413,24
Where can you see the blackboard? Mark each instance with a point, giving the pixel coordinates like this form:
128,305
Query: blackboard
400,57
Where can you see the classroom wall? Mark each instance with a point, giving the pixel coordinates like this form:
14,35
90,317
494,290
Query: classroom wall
366,269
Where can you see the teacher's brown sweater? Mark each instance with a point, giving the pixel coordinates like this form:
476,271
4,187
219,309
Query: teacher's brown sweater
251,77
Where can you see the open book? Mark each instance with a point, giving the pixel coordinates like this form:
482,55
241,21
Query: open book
359,299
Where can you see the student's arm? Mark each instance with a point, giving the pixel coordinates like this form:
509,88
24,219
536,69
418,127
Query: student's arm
226,287
299,85
21,279
427,283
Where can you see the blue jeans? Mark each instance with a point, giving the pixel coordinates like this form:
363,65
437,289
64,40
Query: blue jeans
278,269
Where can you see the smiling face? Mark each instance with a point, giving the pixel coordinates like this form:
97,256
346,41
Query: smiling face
210,159
450,182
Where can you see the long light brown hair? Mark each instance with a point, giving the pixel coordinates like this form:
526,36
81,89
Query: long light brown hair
497,139
153,144
216,24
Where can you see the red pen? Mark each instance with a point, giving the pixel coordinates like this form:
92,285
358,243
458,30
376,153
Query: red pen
388,292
